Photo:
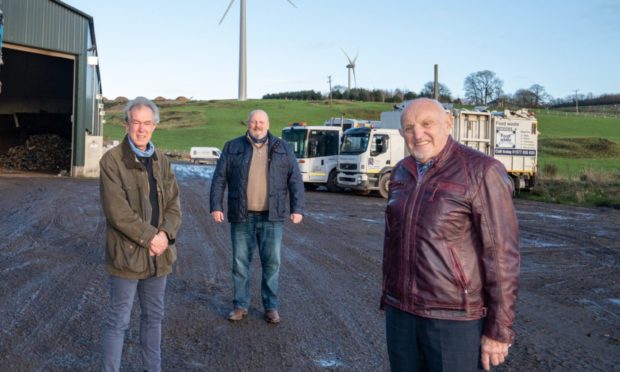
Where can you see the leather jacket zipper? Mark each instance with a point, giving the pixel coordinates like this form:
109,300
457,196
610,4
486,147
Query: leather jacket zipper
412,207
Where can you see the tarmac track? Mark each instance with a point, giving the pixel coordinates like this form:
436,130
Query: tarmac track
53,286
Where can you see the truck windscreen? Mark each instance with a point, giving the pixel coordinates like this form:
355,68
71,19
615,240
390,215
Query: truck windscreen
297,139
354,143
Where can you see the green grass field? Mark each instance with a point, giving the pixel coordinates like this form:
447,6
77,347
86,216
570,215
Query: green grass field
579,156
222,120
580,131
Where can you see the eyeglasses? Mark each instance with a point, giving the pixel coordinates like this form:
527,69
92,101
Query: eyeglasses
137,123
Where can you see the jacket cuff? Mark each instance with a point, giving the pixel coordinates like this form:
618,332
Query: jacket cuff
147,236
499,332
169,235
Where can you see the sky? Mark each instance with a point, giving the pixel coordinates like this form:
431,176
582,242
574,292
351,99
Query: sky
163,48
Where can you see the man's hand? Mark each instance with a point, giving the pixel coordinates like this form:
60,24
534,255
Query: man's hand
218,216
296,217
493,353
159,244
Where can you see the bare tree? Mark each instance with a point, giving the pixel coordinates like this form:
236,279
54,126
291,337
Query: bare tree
482,87
429,91
540,95
525,98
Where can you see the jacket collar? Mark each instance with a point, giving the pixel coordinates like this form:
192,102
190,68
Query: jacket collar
445,153
129,157
272,140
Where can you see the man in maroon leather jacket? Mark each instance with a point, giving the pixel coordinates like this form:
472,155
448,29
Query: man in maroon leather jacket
451,251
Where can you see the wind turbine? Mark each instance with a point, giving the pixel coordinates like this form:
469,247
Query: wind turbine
242,54
351,66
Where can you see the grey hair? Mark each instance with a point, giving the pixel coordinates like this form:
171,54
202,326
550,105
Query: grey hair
141,102
256,112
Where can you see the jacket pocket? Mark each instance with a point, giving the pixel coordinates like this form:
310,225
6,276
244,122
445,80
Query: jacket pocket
126,255
446,190
170,256
457,268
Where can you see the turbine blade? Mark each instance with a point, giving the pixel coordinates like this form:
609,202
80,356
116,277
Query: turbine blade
354,78
226,12
355,59
290,2
345,53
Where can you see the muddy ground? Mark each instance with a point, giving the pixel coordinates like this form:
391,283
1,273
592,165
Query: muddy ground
53,286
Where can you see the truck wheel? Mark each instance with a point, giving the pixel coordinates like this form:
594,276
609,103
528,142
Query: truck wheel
384,185
331,184
515,186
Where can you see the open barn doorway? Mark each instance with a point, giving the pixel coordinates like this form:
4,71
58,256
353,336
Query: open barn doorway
36,107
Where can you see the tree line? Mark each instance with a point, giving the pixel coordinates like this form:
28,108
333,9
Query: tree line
481,88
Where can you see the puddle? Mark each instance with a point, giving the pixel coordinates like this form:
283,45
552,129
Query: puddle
560,215
328,363
189,171
615,301
539,243
330,216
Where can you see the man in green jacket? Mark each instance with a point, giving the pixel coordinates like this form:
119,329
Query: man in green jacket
140,200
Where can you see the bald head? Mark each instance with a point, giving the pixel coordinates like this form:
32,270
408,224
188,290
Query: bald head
422,104
426,126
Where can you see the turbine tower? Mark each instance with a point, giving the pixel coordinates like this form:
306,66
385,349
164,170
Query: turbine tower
242,54
350,67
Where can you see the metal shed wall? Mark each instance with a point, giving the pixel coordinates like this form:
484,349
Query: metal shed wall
44,24
52,25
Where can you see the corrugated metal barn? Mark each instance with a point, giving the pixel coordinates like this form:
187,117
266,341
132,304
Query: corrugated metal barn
50,83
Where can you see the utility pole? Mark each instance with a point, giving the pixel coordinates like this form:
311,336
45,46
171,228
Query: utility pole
576,101
436,85
329,80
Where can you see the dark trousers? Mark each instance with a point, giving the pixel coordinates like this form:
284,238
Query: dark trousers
422,344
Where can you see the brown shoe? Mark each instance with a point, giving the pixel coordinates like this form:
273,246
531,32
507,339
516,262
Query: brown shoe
237,314
272,316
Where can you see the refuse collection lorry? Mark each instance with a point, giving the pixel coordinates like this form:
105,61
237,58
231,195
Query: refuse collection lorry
316,148
368,155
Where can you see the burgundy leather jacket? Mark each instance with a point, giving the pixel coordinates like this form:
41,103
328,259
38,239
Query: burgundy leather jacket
451,247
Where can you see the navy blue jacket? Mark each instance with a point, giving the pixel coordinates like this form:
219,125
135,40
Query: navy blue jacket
232,170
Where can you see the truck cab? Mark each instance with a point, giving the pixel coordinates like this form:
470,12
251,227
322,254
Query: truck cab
367,156
316,149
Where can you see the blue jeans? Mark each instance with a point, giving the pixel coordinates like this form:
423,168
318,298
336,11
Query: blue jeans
122,293
422,344
245,236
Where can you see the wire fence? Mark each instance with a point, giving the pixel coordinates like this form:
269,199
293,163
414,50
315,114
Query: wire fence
601,111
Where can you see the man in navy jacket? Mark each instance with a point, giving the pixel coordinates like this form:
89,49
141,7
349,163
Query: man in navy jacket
259,170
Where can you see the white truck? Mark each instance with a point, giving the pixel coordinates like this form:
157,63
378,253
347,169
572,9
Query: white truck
347,123
515,144
316,149
512,138
368,154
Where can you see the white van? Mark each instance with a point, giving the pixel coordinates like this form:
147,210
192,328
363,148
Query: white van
206,155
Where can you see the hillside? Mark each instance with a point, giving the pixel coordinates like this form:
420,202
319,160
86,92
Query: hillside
212,123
